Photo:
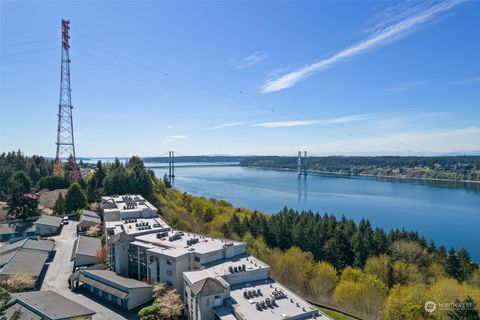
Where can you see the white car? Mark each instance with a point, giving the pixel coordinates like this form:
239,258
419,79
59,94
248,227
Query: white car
65,220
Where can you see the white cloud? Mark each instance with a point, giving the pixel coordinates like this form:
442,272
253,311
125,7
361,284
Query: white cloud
464,140
380,37
404,86
251,59
298,123
467,81
228,125
174,138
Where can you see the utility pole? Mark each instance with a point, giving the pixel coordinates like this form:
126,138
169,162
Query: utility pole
65,142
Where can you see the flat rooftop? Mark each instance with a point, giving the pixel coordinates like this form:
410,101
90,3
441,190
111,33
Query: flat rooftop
126,203
234,265
287,304
221,268
184,242
138,226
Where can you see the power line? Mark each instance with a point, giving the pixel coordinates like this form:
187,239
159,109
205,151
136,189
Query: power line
25,32
25,43
28,61
272,109
27,52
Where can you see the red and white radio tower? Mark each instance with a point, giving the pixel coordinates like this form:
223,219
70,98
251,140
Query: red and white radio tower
65,141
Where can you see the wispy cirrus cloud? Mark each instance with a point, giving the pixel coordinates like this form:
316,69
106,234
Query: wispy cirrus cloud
404,86
251,59
228,125
174,138
471,80
382,35
299,123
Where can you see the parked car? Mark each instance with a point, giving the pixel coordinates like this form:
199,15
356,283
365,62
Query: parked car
65,220
80,268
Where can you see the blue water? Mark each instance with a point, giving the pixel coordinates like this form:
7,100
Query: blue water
448,214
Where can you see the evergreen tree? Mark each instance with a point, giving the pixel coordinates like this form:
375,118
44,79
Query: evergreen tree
465,311
452,265
117,181
21,204
91,190
466,264
99,174
60,205
75,198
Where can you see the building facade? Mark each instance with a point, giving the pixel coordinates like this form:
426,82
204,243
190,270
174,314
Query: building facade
216,278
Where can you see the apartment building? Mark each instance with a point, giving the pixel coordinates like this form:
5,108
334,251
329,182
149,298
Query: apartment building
126,207
217,278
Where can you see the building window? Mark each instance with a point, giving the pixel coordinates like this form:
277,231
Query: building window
169,273
169,262
197,259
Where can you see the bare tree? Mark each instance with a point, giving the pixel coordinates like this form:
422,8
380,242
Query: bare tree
94,231
20,282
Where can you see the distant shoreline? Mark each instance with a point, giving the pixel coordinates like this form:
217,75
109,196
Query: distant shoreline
368,175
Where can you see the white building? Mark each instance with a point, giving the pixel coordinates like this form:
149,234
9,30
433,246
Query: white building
217,278
127,207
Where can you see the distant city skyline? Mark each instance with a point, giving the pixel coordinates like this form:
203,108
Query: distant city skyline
245,78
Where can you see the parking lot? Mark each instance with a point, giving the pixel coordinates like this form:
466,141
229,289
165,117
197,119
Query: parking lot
59,270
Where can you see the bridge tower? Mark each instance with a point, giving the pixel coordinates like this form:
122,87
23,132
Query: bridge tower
302,164
65,142
171,167
299,163
305,163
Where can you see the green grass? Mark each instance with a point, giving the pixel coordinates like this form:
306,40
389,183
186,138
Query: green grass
335,315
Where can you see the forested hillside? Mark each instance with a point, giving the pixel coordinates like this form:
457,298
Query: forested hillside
449,167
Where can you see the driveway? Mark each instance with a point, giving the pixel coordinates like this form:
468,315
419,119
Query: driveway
59,270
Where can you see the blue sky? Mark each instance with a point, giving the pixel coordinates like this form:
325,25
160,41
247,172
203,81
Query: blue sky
364,78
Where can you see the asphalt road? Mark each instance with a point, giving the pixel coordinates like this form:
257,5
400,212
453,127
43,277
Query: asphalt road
59,270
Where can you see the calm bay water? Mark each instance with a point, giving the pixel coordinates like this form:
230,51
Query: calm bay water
447,213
